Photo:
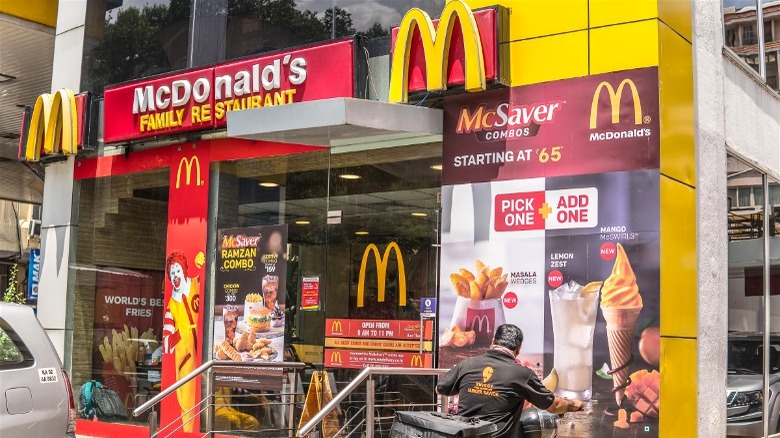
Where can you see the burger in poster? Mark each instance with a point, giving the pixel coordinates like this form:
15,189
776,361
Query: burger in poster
259,318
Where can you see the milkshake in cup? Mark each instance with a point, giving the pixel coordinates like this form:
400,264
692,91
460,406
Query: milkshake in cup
573,310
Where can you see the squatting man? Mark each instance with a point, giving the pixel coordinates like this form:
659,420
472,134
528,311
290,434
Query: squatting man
494,387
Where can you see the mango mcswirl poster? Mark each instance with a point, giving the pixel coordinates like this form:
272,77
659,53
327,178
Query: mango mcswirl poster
551,222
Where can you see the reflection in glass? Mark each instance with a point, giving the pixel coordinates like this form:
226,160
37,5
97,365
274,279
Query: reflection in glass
745,384
129,39
118,284
739,18
774,300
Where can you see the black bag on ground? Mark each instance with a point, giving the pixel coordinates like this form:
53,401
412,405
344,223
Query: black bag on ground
413,424
108,405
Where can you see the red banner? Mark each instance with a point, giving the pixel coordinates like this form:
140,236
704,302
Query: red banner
185,274
200,99
588,125
362,359
310,293
377,328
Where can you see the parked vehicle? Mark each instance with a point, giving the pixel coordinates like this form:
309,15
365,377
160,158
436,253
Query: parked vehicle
745,393
36,399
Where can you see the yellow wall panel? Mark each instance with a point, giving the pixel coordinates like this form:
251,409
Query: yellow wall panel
39,11
677,14
678,388
624,46
606,12
533,18
675,75
549,58
678,259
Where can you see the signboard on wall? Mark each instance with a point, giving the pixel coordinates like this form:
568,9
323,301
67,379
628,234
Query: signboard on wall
551,222
358,343
33,274
200,99
249,300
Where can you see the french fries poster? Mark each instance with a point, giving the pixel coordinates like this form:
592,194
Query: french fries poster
553,225
251,277
127,327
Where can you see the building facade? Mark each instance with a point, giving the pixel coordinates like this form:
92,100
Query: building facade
603,144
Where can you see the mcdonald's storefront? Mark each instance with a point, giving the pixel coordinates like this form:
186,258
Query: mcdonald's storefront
508,168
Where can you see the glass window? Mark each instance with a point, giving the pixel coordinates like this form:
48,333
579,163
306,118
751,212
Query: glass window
748,35
746,304
129,39
744,197
767,31
118,284
10,355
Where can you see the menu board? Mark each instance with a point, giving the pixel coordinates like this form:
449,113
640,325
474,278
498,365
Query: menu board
550,222
251,274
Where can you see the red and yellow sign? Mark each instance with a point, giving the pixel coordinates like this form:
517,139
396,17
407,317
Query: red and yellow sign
361,359
378,344
200,99
377,328
56,125
459,49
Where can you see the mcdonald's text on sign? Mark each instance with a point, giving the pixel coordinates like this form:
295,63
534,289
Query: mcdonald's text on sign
200,99
340,358
459,49
377,328
615,97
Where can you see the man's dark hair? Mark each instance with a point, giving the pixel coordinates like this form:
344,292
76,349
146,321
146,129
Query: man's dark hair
509,336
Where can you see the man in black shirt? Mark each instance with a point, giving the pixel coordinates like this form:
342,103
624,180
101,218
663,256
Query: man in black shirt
494,387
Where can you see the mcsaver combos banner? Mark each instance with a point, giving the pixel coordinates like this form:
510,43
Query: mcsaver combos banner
251,275
551,222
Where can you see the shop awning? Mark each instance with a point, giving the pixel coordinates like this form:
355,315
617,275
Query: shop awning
18,183
336,122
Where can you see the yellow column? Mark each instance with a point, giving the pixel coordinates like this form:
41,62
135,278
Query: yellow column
551,40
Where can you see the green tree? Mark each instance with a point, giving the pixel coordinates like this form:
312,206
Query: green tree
376,30
13,294
343,26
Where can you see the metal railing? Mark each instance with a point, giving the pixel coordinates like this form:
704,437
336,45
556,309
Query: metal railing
206,404
367,376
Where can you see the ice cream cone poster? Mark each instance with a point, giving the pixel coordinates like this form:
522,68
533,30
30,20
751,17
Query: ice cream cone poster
550,221
251,274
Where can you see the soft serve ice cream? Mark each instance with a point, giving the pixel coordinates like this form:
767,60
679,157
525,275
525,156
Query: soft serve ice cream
620,305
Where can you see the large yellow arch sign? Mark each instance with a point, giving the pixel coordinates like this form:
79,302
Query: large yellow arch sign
53,125
381,273
436,45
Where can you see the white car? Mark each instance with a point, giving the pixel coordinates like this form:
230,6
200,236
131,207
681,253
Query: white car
36,399
745,393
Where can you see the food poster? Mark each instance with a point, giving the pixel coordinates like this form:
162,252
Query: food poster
249,302
127,330
550,221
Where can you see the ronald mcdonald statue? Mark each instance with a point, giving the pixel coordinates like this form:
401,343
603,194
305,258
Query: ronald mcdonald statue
180,328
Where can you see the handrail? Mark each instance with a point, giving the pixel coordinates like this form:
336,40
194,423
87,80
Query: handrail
199,370
344,393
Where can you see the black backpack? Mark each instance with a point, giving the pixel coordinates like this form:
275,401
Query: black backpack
96,399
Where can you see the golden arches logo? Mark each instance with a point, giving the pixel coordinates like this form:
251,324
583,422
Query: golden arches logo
187,164
335,357
381,273
53,125
436,48
614,101
336,326
417,361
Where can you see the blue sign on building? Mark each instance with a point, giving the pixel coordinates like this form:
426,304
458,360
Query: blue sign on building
428,306
33,274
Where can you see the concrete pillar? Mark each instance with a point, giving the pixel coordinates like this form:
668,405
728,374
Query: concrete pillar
58,221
